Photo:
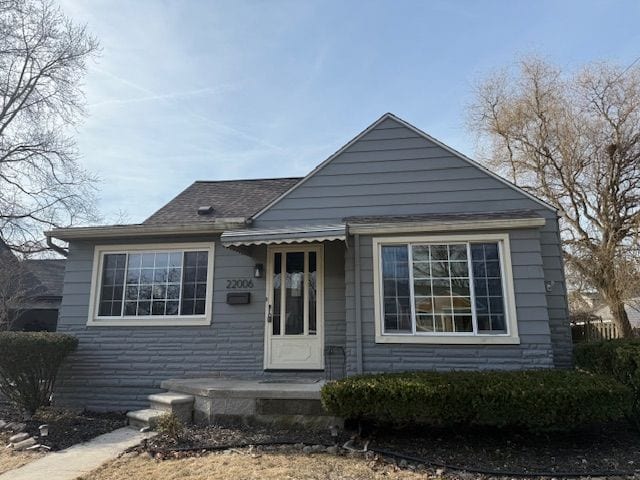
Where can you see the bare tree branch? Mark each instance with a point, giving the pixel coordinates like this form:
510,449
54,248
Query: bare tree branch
17,287
574,140
43,59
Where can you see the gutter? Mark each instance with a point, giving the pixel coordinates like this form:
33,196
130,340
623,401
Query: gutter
445,225
56,248
144,230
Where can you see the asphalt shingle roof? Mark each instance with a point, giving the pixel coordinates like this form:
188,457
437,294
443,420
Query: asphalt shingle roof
49,273
43,277
229,198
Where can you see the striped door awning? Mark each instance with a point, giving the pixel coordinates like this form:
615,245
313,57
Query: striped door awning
298,234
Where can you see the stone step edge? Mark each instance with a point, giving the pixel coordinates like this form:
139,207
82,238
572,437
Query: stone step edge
145,415
171,398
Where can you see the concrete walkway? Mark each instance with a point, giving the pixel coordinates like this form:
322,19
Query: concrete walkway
80,459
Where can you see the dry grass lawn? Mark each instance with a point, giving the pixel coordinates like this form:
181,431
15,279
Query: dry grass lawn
10,459
242,466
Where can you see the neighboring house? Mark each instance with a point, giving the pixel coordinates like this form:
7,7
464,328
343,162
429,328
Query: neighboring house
35,290
40,312
632,306
396,253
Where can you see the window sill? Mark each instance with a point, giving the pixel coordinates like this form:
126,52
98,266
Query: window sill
144,322
448,340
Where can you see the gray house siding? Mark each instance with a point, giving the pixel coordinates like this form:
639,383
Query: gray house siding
534,351
392,170
115,368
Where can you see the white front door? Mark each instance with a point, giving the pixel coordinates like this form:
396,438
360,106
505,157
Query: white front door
294,329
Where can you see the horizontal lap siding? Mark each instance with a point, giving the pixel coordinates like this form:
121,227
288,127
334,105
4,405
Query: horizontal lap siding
394,171
557,297
115,368
534,350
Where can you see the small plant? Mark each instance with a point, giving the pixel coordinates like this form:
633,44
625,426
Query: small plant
29,364
540,400
170,426
55,414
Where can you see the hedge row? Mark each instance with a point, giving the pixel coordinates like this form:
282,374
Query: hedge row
29,364
541,400
619,358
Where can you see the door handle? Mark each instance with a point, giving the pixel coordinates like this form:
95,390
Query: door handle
269,316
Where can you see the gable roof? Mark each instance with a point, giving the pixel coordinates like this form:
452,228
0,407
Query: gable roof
229,199
49,275
42,277
422,134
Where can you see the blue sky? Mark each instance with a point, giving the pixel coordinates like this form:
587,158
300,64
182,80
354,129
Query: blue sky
187,90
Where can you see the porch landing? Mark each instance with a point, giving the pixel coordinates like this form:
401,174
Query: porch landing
220,400
300,389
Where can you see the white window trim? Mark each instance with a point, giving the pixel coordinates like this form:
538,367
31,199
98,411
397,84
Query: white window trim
148,320
510,338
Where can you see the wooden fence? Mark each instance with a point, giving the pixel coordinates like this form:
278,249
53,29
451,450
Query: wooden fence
593,331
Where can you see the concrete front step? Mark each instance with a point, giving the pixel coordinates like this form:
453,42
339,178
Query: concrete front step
179,404
230,400
144,418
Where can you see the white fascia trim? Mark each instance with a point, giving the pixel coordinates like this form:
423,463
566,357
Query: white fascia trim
445,226
511,338
149,320
423,135
123,231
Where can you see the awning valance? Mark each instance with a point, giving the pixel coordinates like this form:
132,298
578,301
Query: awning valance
301,234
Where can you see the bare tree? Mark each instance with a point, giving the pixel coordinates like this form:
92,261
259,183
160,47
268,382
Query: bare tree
574,140
42,62
17,288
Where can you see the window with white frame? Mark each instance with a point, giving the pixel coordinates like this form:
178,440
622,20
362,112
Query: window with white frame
152,283
434,287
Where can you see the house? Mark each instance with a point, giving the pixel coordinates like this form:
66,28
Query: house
632,306
597,323
32,291
396,253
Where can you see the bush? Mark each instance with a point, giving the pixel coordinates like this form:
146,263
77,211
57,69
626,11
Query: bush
541,400
619,358
170,425
29,364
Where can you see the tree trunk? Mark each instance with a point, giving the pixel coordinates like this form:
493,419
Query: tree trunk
620,317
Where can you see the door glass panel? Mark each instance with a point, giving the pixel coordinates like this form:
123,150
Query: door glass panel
312,293
275,304
294,296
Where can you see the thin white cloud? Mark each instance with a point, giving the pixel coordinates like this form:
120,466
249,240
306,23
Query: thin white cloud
168,97
162,96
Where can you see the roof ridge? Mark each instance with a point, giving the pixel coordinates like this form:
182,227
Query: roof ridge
247,180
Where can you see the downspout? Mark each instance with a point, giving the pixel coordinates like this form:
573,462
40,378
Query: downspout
358,305
56,248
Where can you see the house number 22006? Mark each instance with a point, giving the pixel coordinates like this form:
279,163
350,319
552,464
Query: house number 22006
241,283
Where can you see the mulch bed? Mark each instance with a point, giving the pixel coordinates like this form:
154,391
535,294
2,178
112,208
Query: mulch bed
195,437
67,427
615,448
